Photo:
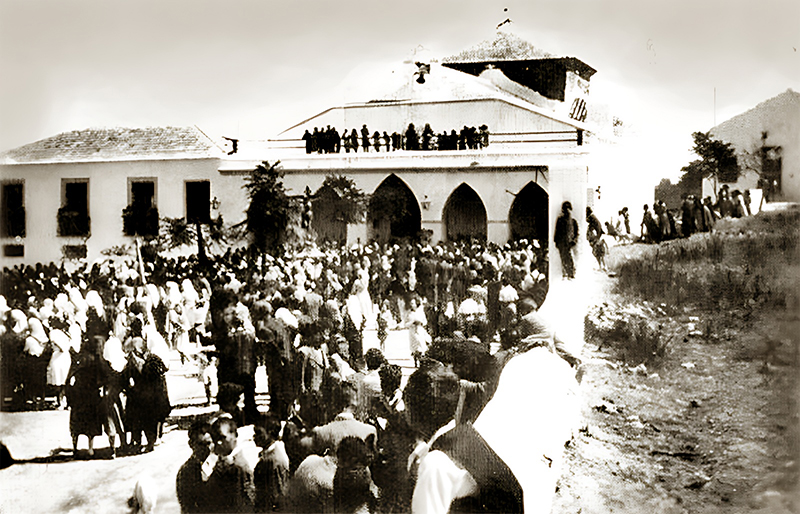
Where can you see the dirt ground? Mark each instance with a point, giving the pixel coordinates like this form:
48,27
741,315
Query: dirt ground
711,427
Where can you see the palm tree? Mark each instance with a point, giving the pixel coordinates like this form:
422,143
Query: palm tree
268,212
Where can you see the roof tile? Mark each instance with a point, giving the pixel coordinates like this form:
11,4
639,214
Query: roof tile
115,144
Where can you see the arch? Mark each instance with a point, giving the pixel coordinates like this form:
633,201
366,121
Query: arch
393,211
464,215
327,221
528,217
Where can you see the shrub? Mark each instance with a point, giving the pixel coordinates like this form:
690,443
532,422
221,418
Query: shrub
627,333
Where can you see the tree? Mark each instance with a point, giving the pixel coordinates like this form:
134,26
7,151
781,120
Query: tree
691,182
268,212
176,232
717,161
351,205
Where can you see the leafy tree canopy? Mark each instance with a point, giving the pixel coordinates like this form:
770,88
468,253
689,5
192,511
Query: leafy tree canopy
717,161
351,205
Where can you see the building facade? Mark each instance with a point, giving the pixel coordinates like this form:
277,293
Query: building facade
511,188
77,194
767,143
65,197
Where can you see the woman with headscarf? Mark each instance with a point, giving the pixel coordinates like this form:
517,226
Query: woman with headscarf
146,389
85,391
418,337
37,353
60,360
115,360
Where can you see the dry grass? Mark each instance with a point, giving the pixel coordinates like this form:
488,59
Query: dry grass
745,261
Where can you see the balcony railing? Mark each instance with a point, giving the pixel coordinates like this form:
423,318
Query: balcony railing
138,221
73,223
499,139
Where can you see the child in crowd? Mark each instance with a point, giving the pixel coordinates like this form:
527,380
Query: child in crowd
208,375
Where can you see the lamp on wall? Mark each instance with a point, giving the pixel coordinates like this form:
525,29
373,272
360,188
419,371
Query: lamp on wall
426,204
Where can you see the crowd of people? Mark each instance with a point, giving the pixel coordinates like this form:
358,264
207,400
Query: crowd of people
105,362
659,224
694,215
328,140
336,437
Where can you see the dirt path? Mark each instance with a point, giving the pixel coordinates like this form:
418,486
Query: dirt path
712,428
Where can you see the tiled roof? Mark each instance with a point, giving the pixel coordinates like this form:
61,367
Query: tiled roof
115,144
781,106
504,47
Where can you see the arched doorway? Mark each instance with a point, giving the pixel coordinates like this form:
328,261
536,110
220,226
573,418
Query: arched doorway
327,221
528,216
464,215
393,211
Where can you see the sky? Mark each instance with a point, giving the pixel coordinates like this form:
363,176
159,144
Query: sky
251,68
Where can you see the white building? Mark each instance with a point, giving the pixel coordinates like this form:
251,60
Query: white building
535,107
90,176
767,138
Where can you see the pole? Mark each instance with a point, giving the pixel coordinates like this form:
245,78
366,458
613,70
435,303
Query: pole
140,261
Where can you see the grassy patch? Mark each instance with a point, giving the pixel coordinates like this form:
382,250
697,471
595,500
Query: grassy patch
746,261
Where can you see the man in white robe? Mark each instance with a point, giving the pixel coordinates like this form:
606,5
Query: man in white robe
525,425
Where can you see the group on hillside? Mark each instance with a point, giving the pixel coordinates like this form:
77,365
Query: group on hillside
328,140
694,215
659,224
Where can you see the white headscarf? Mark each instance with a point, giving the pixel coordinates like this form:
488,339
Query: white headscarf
174,293
61,340
48,309
37,330
33,347
93,300
190,295
153,293
63,304
77,300
75,335
470,306
156,343
20,321
508,294
114,355
287,317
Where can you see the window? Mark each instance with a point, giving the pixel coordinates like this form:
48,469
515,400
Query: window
140,217
198,201
73,216
13,209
